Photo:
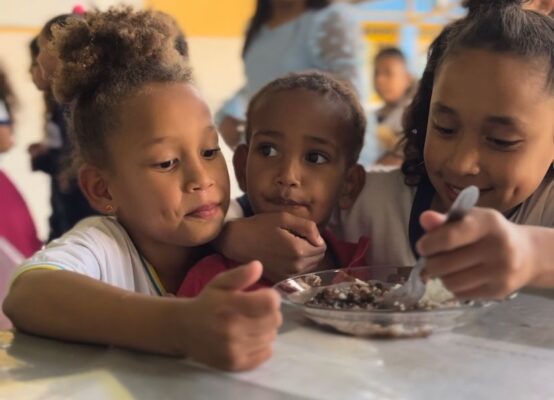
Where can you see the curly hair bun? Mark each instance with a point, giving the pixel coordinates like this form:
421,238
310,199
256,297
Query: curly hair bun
115,49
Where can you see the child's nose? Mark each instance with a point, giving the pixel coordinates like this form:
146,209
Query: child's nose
464,158
289,174
197,178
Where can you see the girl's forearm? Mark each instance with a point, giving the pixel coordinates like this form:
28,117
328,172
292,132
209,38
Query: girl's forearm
69,306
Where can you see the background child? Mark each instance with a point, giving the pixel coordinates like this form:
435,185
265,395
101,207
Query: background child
304,135
16,224
52,154
483,116
159,175
393,83
295,36
7,105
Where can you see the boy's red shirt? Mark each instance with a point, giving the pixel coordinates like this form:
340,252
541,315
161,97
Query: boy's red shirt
347,255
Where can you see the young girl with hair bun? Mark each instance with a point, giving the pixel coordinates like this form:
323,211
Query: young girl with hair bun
151,164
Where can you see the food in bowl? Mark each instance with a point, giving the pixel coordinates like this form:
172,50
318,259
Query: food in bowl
361,295
349,301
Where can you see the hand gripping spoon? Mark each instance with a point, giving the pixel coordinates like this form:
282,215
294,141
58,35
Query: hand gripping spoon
411,292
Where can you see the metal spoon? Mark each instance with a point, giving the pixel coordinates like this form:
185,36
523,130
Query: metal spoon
412,291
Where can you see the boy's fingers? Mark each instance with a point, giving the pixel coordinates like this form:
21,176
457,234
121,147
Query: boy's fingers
238,278
302,227
301,246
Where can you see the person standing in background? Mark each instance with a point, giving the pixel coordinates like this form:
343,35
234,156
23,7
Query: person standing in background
394,85
7,103
16,224
287,36
52,154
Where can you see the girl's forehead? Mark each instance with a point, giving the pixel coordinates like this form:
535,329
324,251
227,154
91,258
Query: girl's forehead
163,107
496,76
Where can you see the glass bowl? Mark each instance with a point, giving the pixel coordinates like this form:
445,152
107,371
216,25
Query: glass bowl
299,289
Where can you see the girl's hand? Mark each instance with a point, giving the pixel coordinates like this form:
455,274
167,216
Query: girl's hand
482,256
229,329
285,244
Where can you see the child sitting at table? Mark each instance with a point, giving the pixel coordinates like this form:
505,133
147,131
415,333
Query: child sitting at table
151,162
304,135
482,116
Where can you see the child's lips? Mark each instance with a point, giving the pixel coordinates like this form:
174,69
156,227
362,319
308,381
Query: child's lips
282,202
205,211
452,191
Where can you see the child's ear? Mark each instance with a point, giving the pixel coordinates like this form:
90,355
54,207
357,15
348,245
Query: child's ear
94,185
353,185
239,164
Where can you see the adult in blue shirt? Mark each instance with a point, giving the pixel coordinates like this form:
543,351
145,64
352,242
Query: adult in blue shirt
287,36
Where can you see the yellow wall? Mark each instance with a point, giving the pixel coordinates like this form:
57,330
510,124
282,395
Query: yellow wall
208,17
222,18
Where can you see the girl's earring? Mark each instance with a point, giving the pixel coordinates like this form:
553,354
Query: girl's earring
109,208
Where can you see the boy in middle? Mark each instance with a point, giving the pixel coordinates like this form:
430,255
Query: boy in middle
304,134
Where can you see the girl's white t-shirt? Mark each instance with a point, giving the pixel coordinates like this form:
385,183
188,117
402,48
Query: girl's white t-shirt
382,212
98,247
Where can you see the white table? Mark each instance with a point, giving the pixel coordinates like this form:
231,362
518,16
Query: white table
508,353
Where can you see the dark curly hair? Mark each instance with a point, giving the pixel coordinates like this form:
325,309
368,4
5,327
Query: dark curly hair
501,26
58,20
264,13
180,41
105,57
330,88
7,95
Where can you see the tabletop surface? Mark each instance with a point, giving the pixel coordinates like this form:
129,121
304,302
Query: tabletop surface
507,353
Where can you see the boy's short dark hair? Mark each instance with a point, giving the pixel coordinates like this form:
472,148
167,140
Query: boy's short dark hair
329,88
390,52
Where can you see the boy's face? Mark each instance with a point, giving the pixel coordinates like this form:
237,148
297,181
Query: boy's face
168,180
491,125
297,160
391,79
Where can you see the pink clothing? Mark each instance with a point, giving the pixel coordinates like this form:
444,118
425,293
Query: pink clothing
16,224
346,254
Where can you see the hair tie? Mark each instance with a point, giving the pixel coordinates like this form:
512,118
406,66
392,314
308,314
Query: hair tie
78,9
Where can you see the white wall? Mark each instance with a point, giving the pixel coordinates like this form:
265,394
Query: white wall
217,69
32,13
